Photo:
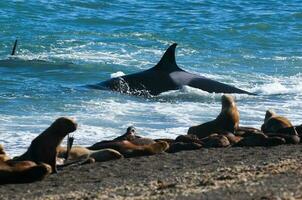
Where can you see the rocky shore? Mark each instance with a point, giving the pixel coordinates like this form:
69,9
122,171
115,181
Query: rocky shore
214,173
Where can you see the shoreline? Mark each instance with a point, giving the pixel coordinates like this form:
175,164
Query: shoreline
213,173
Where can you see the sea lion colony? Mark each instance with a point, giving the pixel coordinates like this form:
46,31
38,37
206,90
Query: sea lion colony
45,152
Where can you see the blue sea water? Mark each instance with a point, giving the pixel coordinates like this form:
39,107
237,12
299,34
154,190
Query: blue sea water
254,45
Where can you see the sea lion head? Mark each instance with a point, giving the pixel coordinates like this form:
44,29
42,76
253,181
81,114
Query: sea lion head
65,125
2,149
269,114
131,130
227,101
3,155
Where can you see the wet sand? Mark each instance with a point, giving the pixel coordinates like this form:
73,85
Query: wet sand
217,173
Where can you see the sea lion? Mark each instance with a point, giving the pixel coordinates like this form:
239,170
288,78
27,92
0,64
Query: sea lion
82,153
226,121
131,136
233,139
131,145
188,139
295,133
22,172
273,122
243,130
289,139
128,149
259,139
44,147
183,143
168,140
183,146
215,140
279,126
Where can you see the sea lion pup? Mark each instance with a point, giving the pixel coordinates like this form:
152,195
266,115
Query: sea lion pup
226,121
82,153
44,147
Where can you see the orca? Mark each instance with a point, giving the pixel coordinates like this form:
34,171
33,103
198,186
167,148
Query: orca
164,76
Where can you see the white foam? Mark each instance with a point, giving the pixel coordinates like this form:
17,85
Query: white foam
117,74
281,85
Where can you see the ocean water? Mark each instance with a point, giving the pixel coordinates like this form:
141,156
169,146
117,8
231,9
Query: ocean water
64,45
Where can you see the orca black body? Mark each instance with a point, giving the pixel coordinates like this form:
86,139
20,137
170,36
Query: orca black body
164,76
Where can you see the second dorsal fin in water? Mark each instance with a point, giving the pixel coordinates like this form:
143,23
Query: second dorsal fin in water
14,48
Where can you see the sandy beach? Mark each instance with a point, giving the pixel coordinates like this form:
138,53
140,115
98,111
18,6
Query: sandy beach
216,173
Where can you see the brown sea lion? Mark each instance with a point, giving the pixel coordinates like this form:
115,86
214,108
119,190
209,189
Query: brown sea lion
233,139
131,150
184,143
259,139
82,153
243,130
12,172
289,139
20,171
130,135
183,146
273,122
293,132
226,121
188,139
128,149
278,126
168,140
215,140
44,147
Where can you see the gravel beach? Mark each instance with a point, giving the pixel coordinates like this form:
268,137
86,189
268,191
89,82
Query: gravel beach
216,173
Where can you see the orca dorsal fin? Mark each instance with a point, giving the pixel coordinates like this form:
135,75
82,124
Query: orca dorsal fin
167,61
14,48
